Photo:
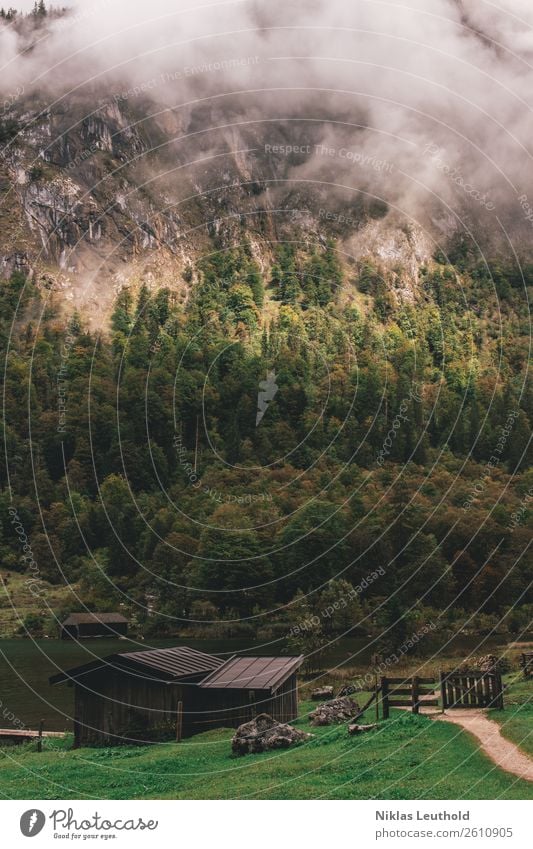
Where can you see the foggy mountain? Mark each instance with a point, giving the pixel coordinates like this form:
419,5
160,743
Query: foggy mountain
133,136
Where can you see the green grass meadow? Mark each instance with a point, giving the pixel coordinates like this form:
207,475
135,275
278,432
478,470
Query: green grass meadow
407,757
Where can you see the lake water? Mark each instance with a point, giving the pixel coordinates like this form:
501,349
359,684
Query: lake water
26,665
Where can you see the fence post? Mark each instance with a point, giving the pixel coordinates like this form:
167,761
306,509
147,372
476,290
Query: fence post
376,691
499,685
40,737
479,692
415,707
487,698
443,690
385,697
179,721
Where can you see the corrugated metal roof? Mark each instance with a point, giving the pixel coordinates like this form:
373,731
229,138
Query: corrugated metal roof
252,673
161,664
174,662
94,618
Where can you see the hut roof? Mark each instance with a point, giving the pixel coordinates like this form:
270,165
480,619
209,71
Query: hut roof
252,673
94,618
174,662
159,664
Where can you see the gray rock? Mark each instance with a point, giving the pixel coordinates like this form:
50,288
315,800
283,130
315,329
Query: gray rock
321,693
485,663
360,729
336,710
263,734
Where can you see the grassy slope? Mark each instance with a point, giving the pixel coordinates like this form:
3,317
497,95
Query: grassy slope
16,602
517,719
408,757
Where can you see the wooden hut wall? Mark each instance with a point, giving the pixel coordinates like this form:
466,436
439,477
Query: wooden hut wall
222,708
229,708
284,704
109,708
116,706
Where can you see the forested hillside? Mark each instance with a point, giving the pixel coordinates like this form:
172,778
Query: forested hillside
240,458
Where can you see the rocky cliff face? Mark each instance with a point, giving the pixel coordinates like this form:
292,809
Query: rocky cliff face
94,200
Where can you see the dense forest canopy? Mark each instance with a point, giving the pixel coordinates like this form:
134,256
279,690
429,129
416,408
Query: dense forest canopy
392,452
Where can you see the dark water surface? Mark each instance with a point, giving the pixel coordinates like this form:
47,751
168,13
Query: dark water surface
26,665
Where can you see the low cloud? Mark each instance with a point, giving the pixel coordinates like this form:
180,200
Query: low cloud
384,81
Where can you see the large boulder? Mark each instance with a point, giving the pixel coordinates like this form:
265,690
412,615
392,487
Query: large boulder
264,733
337,710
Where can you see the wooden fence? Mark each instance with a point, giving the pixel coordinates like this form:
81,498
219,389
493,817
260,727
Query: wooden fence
466,689
471,689
404,692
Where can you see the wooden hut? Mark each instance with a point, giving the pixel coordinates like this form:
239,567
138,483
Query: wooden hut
80,626
246,686
164,694
136,696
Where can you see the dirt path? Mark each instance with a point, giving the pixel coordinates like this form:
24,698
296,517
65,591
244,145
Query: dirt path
504,753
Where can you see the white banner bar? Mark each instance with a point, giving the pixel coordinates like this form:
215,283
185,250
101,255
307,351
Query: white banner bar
264,825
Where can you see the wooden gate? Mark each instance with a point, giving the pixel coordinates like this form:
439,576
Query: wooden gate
405,692
471,689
